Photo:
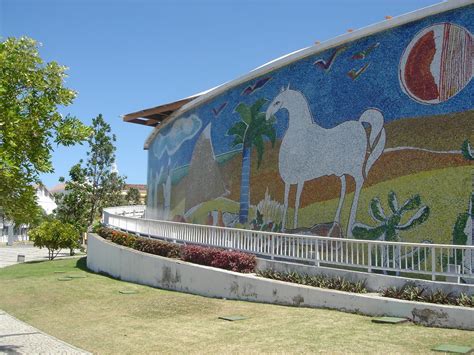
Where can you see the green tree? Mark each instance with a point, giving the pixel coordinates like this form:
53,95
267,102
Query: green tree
133,196
55,235
249,132
73,203
94,185
30,93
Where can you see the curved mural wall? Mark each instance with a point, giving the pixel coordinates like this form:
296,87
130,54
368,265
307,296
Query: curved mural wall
370,139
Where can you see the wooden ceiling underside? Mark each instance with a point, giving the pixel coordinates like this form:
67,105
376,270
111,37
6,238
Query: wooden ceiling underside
155,115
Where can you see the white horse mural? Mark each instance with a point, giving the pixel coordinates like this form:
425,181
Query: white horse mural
309,151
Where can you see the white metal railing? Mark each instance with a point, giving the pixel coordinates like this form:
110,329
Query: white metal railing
412,259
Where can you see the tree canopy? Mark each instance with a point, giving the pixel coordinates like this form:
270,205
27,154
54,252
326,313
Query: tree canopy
31,92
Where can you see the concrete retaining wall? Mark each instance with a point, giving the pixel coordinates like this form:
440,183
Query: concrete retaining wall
373,282
134,266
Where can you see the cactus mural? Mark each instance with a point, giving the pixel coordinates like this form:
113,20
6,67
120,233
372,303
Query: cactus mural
389,225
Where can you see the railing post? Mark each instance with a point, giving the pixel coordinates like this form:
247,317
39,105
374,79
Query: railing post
369,256
316,252
433,263
273,246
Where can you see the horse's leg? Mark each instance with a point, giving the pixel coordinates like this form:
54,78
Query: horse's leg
359,181
337,218
299,189
342,196
285,206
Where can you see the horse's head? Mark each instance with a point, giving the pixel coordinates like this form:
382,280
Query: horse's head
277,102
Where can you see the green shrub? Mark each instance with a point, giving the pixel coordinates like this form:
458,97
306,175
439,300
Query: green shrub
412,293
321,281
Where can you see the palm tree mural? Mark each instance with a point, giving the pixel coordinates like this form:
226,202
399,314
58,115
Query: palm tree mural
249,132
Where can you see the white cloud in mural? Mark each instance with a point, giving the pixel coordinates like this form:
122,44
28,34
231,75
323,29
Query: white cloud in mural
182,130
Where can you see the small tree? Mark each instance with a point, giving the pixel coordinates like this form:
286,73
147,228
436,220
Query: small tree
105,185
55,235
73,204
133,196
95,185
249,132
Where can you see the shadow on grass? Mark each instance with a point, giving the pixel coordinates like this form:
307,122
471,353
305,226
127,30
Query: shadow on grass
81,264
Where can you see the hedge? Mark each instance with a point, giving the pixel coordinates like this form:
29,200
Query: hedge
219,258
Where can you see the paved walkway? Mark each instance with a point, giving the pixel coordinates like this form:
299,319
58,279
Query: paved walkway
9,254
17,337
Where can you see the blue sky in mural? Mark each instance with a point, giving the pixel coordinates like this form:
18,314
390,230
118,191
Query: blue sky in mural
128,55
334,97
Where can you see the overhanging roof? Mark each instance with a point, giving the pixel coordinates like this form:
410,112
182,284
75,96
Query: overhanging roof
156,115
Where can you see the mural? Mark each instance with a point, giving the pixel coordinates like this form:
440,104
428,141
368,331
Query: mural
370,139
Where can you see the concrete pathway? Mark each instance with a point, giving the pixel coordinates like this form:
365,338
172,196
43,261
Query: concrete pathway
17,337
9,254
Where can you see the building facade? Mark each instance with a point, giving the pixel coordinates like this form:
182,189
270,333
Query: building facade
366,136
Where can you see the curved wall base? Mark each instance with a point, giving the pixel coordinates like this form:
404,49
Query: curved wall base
134,266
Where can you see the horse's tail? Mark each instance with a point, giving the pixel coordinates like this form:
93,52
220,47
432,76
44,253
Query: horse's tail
377,136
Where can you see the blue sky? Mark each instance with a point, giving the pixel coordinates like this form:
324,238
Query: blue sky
128,55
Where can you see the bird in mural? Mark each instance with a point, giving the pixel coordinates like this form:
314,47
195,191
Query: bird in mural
252,88
217,111
326,65
354,74
364,53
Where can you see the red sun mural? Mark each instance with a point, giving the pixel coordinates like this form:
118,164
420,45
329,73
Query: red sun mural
437,63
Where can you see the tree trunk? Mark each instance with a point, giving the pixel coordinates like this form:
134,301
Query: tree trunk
245,186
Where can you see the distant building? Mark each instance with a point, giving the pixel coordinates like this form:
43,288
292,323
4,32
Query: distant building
45,199
58,188
10,233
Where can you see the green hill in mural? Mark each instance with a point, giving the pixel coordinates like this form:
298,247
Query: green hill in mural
438,133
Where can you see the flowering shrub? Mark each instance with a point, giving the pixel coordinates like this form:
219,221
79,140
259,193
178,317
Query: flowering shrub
223,259
157,247
118,237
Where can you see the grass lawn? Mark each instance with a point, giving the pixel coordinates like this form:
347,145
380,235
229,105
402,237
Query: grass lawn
91,313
